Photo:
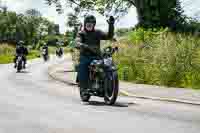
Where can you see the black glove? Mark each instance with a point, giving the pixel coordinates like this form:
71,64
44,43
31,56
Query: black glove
111,20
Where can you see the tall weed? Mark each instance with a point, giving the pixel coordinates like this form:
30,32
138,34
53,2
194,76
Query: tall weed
160,58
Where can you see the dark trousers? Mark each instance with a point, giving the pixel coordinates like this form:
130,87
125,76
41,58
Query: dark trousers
83,73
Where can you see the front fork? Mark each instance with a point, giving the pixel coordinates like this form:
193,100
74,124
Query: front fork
109,77
98,81
95,83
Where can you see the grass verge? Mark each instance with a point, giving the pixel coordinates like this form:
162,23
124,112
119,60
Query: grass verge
160,58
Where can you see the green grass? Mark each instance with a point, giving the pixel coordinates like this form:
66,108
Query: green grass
6,49
7,53
52,50
160,58
33,54
4,59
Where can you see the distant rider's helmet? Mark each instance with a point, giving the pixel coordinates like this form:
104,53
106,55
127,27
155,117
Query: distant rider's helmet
44,44
21,43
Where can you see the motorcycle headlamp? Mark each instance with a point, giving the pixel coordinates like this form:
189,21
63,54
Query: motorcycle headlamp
108,61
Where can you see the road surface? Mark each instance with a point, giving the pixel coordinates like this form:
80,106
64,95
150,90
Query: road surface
32,102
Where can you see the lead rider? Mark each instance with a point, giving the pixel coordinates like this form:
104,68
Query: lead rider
92,38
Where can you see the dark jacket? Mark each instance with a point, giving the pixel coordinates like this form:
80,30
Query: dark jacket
46,48
21,50
93,39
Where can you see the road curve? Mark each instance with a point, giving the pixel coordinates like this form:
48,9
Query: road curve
32,102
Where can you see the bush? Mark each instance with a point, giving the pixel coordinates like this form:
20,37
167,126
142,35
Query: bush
161,58
4,59
6,49
33,54
7,53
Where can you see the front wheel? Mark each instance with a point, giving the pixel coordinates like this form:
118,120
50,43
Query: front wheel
111,86
45,57
84,96
18,69
19,66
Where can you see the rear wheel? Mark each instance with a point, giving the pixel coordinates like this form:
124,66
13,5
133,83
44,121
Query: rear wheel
111,86
45,57
18,70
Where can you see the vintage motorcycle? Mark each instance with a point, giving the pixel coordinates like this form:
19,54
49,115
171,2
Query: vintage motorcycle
103,77
45,55
19,63
59,52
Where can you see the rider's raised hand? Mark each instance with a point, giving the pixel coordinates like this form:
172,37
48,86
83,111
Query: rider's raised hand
111,20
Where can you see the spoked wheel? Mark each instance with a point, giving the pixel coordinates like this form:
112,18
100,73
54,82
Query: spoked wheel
19,66
111,86
46,58
18,70
84,96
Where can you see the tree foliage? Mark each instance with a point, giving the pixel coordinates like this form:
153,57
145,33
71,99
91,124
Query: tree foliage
33,13
30,26
151,13
72,20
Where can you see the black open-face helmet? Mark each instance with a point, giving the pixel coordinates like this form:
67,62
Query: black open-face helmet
90,19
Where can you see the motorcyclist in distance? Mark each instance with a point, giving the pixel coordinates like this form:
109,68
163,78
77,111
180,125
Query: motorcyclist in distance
59,50
21,50
45,47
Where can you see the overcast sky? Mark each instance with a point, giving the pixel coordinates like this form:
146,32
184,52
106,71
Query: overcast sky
191,8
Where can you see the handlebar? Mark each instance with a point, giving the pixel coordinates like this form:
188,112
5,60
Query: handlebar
93,50
106,51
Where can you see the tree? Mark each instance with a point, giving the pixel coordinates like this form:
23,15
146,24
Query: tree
73,20
33,13
33,20
29,27
151,13
57,29
3,7
8,26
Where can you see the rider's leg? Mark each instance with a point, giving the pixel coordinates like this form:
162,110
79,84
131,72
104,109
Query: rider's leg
24,58
83,73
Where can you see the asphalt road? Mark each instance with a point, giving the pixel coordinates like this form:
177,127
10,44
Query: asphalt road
31,102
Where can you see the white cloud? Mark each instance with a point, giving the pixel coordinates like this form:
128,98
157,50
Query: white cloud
129,20
18,5
191,7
